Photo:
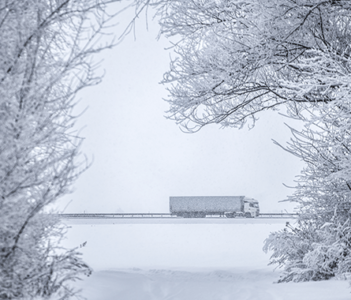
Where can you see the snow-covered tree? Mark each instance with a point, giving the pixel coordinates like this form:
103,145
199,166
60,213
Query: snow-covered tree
323,189
45,59
318,246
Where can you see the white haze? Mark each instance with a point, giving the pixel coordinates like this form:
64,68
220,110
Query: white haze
140,158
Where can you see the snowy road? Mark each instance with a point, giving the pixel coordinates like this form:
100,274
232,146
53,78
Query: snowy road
205,259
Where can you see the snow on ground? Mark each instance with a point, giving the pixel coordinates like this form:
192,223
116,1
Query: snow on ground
186,259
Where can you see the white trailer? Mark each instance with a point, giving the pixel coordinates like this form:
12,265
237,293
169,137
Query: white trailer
201,206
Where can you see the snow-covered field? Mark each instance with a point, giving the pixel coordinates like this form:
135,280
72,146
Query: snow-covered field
178,259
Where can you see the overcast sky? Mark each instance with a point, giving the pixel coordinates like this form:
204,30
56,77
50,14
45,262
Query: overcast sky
140,158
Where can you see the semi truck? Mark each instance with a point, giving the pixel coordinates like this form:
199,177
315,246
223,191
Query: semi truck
202,206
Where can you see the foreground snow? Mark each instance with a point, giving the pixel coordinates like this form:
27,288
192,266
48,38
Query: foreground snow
242,284
186,259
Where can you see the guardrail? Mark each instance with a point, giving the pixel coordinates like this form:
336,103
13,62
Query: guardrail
118,215
278,215
160,215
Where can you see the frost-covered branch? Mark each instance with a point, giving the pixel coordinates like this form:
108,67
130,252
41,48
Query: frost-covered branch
234,59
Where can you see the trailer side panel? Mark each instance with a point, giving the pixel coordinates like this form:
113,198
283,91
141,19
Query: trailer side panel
206,204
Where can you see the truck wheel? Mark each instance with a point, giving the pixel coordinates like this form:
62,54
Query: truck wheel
232,215
248,215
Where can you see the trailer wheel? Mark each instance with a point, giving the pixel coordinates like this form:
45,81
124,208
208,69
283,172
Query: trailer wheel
230,215
199,215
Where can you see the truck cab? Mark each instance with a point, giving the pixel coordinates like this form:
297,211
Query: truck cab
251,208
